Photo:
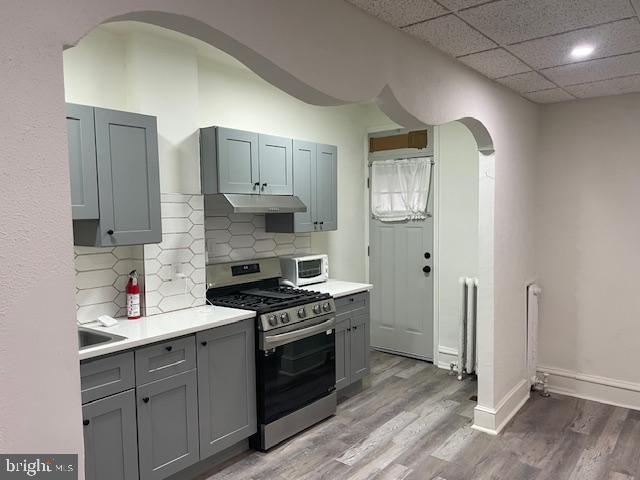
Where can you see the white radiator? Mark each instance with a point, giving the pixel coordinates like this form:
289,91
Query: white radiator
467,353
533,294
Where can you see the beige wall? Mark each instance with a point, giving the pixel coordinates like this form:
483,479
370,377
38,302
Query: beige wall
287,43
587,238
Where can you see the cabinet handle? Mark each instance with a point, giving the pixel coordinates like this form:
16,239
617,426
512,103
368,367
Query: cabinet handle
352,299
355,328
86,422
315,223
204,344
169,348
145,399
257,184
321,223
349,329
109,232
264,185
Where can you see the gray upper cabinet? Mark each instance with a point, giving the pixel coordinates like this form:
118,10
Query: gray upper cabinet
304,164
226,386
167,425
315,182
110,438
235,161
128,178
239,171
276,165
326,207
82,162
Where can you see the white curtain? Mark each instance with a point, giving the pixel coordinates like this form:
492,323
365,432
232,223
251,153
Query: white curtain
400,189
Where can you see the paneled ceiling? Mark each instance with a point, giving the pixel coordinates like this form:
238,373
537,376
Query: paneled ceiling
528,45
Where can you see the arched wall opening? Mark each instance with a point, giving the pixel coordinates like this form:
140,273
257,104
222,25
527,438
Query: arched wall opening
180,146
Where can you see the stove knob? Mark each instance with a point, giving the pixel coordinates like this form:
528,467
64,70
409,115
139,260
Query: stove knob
326,307
302,313
284,317
273,320
316,308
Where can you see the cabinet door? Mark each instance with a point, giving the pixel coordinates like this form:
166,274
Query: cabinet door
128,178
81,138
359,342
327,187
276,165
226,386
304,167
110,438
238,170
167,425
343,354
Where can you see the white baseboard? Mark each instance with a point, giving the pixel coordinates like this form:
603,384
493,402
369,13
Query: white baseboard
493,420
592,387
446,356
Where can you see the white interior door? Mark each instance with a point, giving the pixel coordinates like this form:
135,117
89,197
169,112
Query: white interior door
402,297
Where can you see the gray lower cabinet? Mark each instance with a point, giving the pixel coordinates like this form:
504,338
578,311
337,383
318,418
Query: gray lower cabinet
128,179
315,182
110,438
167,425
352,339
226,386
343,354
81,139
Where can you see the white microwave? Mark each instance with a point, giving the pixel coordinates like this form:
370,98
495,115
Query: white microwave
305,270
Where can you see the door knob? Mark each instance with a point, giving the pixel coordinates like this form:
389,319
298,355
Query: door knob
426,269
427,255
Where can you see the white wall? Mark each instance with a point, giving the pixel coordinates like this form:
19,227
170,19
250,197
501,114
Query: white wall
188,85
587,240
458,196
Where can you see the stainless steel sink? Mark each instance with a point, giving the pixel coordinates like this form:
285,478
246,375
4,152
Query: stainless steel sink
90,338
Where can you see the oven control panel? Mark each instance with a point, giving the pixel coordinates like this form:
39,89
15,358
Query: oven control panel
290,316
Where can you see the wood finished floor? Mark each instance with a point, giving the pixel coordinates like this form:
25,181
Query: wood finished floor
412,421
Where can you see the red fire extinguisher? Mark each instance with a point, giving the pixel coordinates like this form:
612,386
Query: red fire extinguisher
133,296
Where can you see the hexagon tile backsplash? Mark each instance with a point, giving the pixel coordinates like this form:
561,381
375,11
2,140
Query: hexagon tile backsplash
241,236
172,273
175,268
101,279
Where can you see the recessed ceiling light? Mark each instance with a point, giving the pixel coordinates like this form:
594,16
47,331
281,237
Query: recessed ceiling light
582,51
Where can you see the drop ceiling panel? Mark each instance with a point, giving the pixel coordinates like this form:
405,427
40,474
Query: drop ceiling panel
458,4
495,63
451,35
610,39
511,21
595,70
552,95
526,82
526,45
615,86
401,13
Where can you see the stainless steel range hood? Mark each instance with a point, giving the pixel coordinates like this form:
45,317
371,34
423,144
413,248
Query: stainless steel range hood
224,203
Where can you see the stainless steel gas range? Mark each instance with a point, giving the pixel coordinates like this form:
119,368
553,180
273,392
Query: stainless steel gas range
295,346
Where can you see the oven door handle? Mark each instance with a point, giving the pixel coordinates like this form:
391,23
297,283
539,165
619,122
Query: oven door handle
272,341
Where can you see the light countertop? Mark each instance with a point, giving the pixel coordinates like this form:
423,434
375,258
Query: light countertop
339,288
164,326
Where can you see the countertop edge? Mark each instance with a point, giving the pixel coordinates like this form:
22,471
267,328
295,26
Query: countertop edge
128,344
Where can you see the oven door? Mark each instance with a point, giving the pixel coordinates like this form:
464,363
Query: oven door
295,368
